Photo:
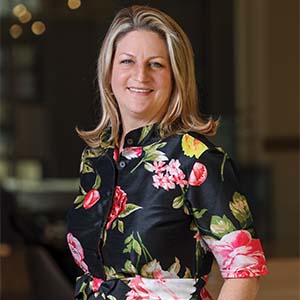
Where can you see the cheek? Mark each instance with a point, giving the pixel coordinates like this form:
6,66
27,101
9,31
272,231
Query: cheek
118,79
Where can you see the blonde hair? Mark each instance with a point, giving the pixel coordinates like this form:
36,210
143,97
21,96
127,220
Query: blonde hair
182,112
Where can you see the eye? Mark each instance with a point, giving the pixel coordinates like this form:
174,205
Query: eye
126,61
156,64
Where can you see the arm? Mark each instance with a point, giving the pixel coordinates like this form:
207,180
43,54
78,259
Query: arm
239,289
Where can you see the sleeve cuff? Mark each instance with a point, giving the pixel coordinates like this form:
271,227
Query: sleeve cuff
238,255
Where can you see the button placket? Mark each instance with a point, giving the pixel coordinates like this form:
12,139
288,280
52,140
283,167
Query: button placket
129,141
122,164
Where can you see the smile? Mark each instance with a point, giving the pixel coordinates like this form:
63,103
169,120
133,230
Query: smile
137,90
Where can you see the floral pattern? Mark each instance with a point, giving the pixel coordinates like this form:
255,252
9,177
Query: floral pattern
168,175
132,152
238,255
77,252
96,283
198,174
175,204
119,205
192,146
91,198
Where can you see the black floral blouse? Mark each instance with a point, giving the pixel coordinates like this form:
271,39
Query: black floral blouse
149,220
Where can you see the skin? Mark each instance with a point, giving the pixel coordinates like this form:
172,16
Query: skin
239,289
141,79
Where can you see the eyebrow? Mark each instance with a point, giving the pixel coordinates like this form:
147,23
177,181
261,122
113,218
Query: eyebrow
151,57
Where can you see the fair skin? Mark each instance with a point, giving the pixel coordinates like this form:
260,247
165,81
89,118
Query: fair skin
141,81
239,289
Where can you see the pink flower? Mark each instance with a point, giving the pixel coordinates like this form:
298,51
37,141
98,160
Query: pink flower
119,205
96,283
176,172
198,174
173,175
77,252
197,236
159,167
164,181
173,167
138,291
116,154
238,255
132,152
91,198
133,295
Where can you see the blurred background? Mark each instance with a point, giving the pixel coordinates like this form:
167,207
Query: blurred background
247,68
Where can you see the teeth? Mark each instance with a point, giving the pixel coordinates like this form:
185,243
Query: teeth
139,90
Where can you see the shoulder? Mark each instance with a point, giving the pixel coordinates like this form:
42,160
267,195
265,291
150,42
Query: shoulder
196,149
105,143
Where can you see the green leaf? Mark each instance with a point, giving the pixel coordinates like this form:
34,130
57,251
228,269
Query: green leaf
186,210
198,214
110,272
153,147
130,208
136,247
78,199
87,168
79,205
128,239
178,202
114,223
128,248
97,182
145,132
121,226
156,155
111,297
220,226
240,209
129,267
83,192
148,167
83,286
193,226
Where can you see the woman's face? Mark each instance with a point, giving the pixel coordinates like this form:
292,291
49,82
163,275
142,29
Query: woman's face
141,77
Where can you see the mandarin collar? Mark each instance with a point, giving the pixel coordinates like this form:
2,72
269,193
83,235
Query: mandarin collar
143,136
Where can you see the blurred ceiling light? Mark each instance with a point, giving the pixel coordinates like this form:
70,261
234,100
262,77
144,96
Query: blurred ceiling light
26,17
15,31
38,27
19,10
74,4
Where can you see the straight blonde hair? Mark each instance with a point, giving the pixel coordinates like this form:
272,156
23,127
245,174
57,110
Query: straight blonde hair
182,113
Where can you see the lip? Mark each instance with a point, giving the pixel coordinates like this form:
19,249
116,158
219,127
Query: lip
140,90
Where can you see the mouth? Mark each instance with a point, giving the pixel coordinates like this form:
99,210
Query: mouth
139,90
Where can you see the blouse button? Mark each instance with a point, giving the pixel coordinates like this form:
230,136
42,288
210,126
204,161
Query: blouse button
122,164
129,141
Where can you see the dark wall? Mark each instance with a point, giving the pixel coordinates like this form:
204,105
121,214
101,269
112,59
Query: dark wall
65,75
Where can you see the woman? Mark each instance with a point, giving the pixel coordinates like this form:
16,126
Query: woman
157,199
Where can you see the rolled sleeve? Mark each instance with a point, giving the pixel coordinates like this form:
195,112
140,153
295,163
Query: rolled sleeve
223,218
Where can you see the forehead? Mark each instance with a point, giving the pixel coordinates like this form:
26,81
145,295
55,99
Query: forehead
143,40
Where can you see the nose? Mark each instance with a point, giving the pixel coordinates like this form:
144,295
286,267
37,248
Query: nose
141,73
